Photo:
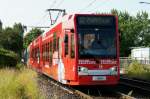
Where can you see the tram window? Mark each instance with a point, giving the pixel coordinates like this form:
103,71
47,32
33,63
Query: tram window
66,38
33,53
50,53
54,41
38,53
57,44
72,46
66,44
47,52
42,51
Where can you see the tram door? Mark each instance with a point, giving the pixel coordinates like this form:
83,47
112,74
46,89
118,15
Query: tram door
69,55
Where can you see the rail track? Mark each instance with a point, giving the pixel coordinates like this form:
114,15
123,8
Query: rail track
88,93
138,84
137,88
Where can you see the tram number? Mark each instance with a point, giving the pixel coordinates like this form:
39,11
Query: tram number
99,78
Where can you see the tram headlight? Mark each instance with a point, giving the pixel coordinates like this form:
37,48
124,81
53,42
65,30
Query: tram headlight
83,69
113,70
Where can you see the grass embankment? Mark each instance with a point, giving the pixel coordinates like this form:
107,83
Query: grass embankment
138,70
18,84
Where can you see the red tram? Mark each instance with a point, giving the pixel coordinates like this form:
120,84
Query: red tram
79,49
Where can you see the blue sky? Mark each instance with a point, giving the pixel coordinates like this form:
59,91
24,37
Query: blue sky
32,12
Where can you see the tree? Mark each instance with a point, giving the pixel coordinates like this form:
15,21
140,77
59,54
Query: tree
18,28
18,31
144,33
1,24
34,33
11,39
134,31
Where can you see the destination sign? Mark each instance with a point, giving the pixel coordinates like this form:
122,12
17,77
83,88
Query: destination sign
96,20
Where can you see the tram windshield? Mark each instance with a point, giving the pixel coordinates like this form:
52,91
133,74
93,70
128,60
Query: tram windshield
97,41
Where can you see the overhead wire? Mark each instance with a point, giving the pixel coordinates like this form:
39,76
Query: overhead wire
60,3
42,18
95,8
53,4
45,15
90,4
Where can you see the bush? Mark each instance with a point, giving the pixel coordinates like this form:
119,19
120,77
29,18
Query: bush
138,70
8,58
20,66
18,84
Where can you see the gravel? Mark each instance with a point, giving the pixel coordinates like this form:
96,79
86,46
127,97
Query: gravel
51,91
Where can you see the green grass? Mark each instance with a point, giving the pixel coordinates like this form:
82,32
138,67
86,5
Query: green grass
138,70
20,84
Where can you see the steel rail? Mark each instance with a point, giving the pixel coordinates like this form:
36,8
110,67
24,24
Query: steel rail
142,85
124,96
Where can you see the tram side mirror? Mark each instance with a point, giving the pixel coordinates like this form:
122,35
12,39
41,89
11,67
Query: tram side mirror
66,38
72,30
